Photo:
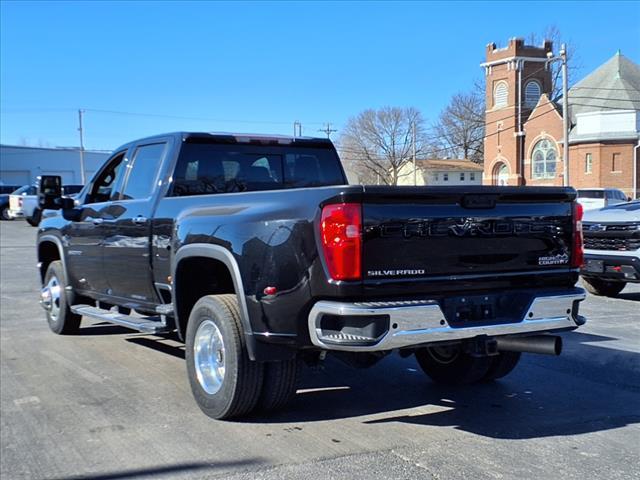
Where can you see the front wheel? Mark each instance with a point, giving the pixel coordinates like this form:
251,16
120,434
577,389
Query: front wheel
54,298
451,365
603,287
225,382
4,214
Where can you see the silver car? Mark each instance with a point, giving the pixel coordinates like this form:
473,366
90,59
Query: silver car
612,248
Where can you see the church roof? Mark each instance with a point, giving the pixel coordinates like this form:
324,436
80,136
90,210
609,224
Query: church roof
615,85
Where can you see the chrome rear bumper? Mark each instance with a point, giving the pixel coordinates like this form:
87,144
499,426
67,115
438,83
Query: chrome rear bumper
418,322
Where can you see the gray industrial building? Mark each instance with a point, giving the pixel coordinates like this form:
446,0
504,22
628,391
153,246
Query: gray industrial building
22,165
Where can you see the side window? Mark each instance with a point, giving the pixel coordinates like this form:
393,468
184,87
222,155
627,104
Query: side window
142,171
312,169
104,183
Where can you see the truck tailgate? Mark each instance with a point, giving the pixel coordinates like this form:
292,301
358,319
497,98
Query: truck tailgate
412,233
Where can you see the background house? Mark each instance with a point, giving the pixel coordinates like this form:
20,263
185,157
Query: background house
524,135
442,172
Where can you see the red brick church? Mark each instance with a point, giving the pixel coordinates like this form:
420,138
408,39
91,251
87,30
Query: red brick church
524,134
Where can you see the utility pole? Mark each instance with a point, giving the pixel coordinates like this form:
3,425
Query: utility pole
565,110
327,129
413,141
297,129
565,116
82,173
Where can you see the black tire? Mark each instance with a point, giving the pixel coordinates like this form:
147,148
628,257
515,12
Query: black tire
60,318
451,365
4,214
34,219
240,387
279,385
603,287
502,365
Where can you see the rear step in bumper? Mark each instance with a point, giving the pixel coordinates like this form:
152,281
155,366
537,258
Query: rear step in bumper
413,323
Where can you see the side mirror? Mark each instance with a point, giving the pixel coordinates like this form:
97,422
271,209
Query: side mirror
50,192
629,199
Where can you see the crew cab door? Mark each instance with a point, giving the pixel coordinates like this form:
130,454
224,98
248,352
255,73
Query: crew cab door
126,245
85,234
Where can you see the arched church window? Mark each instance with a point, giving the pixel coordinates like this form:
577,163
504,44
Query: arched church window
500,95
543,159
531,93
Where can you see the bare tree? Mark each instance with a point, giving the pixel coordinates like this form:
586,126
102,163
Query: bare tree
460,127
552,32
377,144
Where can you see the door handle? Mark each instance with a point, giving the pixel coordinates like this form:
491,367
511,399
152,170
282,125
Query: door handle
97,221
139,220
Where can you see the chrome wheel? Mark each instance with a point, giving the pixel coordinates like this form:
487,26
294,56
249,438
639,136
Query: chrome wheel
50,297
209,356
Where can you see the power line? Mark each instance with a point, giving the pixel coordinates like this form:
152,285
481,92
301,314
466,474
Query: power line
605,98
152,115
600,88
327,129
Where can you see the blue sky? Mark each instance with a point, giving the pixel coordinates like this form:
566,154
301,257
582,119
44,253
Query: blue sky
257,67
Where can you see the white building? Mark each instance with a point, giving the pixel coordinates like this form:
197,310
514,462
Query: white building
22,165
442,172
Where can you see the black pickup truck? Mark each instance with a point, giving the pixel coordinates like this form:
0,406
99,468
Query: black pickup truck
258,255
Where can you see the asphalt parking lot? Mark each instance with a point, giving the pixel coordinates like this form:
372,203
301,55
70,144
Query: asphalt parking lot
111,403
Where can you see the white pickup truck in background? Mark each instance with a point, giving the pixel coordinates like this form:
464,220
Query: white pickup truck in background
23,203
594,198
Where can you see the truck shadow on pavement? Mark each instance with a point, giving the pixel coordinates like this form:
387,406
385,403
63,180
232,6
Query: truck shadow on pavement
543,397
593,386
168,471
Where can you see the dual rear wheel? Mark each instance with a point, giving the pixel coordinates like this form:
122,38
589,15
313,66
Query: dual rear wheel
225,382
452,365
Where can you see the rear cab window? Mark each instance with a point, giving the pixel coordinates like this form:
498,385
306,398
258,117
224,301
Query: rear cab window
591,193
208,168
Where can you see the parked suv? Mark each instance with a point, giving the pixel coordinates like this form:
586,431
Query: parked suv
594,198
612,248
258,255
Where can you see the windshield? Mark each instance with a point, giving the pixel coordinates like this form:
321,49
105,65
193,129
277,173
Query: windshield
69,189
26,190
590,193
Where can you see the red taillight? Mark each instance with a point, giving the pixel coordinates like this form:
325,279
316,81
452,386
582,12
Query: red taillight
577,257
341,236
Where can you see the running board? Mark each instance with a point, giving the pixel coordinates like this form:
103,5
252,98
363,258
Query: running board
151,325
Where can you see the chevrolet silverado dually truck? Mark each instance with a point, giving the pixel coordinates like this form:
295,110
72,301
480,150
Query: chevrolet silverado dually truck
256,253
